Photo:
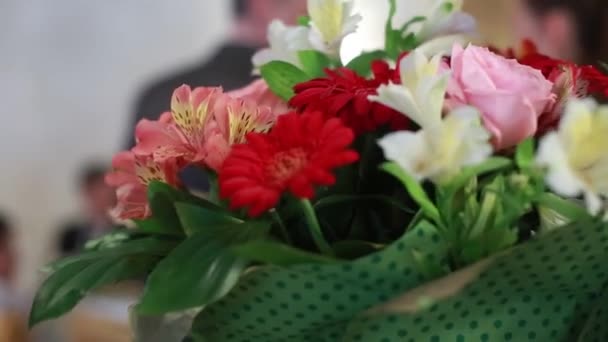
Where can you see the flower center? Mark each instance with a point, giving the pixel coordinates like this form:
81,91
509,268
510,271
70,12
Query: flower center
284,165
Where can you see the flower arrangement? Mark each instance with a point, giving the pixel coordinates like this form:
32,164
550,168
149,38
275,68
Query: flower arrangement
429,191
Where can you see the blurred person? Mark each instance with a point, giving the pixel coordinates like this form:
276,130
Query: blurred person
12,321
95,221
575,30
230,67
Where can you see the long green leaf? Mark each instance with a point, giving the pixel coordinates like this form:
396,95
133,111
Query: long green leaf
155,226
147,246
162,198
415,190
199,271
276,253
566,208
391,36
67,286
281,77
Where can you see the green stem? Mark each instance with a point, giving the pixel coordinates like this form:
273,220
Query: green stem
284,233
487,206
315,228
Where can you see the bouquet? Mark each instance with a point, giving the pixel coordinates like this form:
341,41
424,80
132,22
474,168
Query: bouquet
429,191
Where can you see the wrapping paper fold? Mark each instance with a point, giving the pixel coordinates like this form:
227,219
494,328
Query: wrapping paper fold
552,288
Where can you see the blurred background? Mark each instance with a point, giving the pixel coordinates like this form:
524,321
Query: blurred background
73,76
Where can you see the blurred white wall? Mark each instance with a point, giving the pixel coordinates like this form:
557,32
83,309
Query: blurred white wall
69,71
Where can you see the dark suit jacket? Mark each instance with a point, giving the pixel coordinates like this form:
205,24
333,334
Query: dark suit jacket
230,68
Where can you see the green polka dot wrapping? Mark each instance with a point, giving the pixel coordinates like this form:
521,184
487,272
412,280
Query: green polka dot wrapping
552,288
314,302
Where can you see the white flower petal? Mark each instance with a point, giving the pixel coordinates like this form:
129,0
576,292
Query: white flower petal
400,99
430,96
409,150
331,21
443,45
594,203
285,42
411,67
560,177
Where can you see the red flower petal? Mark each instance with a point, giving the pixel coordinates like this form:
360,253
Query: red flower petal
298,154
344,94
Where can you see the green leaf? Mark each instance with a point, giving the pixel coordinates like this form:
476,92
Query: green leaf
362,64
303,20
155,226
314,62
282,77
148,246
492,164
392,36
201,270
195,219
604,66
112,239
411,22
415,190
162,198
176,195
67,286
564,207
408,43
279,254
524,156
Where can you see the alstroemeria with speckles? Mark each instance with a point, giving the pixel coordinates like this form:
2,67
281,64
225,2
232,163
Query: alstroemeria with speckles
231,126
131,174
180,135
202,126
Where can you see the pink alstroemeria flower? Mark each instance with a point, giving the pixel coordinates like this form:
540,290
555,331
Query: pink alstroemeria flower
180,134
231,125
131,176
259,93
204,123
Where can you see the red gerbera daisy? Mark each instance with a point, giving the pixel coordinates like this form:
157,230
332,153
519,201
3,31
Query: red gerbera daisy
344,94
299,153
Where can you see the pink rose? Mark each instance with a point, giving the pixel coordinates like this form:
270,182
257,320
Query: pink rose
511,96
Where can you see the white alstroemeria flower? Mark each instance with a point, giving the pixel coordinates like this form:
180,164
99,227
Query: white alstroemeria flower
422,92
440,151
576,156
331,21
446,25
285,43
